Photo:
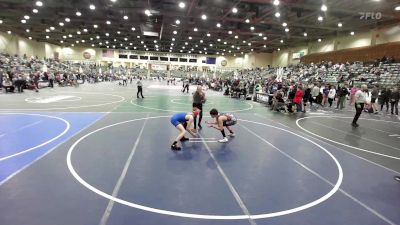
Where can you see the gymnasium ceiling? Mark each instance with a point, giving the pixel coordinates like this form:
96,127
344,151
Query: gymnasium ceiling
234,36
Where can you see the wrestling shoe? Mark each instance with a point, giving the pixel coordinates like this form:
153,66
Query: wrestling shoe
223,140
184,139
175,148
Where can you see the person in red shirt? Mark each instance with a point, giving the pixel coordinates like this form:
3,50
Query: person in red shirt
298,98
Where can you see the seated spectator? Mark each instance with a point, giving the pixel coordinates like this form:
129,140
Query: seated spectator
8,86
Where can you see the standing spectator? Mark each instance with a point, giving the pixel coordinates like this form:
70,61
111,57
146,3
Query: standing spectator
314,95
384,98
342,94
325,93
124,80
331,95
51,80
36,77
360,100
374,96
353,91
199,98
297,99
139,87
394,101
185,86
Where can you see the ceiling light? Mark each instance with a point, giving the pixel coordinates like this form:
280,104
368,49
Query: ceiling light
339,24
190,38
9,32
320,18
230,32
107,34
113,0
1,21
175,32
234,10
219,40
203,17
67,20
85,30
251,28
277,14
182,5
147,12
218,25
61,24
225,43
78,13
352,33
52,28
78,32
133,29
236,37
65,37
287,30
155,41
39,3
249,44
23,21
265,46
305,34
126,17
138,37
324,8
397,8
70,35
281,41
108,22
211,45
279,49
118,32
173,39
247,21
83,41
195,29
208,34
47,37
178,22
201,41
26,17
27,30
30,38
265,38
95,26
61,41
276,2
319,40
260,34
244,42
284,24
92,7
35,10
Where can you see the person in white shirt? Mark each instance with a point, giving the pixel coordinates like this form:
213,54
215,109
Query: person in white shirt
360,100
331,95
139,87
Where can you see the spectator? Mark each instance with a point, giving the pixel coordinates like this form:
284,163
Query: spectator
394,101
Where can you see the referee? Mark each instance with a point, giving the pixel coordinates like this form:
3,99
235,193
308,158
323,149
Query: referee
139,87
198,99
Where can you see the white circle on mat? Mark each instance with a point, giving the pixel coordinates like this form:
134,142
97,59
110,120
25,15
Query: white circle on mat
74,107
339,143
67,126
202,216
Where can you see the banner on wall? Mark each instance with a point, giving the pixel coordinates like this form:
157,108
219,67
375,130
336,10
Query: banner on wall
108,53
158,67
298,55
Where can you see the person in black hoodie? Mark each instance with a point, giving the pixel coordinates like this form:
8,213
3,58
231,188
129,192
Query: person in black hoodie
384,98
394,101
341,93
